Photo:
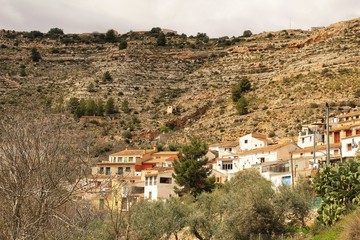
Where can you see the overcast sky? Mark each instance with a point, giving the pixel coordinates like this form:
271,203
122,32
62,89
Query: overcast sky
214,17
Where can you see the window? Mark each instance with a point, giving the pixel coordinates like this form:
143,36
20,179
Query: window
146,181
336,152
127,169
119,159
262,160
131,159
101,170
348,147
348,133
246,141
165,180
227,166
108,171
357,131
120,171
150,181
302,140
154,180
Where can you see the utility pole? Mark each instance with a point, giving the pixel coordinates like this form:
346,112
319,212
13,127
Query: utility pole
327,135
314,153
292,170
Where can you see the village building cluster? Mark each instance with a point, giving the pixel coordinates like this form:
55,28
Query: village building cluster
148,174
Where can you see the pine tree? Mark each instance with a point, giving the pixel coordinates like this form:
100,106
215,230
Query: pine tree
161,40
110,106
189,171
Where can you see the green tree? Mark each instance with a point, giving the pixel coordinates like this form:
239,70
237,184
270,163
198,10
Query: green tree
100,107
167,218
110,36
90,107
35,55
126,134
240,88
125,106
73,105
161,40
202,37
110,107
190,172
56,31
81,109
242,106
247,33
91,87
22,70
123,44
107,77
155,31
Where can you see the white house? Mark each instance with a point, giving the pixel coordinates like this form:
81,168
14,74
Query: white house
227,167
308,135
159,184
320,154
253,141
225,149
350,146
271,153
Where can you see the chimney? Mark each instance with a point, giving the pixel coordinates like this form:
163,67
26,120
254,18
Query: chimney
126,147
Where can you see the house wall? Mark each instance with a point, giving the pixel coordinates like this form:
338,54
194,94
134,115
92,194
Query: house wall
248,142
246,161
165,190
354,142
278,180
226,151
150,189
220,164
114,169
284,152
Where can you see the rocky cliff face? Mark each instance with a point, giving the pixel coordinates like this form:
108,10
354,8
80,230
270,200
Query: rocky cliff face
293,74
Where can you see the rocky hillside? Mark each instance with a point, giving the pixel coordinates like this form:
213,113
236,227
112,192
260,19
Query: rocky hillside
292,72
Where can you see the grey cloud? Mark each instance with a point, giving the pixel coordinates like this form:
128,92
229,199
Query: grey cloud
216,18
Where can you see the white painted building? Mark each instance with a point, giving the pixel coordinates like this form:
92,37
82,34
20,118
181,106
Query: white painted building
320,154
307,135
226,149
270,153
252,141
159,184
350,146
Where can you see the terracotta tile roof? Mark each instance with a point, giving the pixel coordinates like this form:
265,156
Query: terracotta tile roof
265,149
318,148
167,153
128,152
350,114
172,158
357,135
115,163
261,137
226,144
341,128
